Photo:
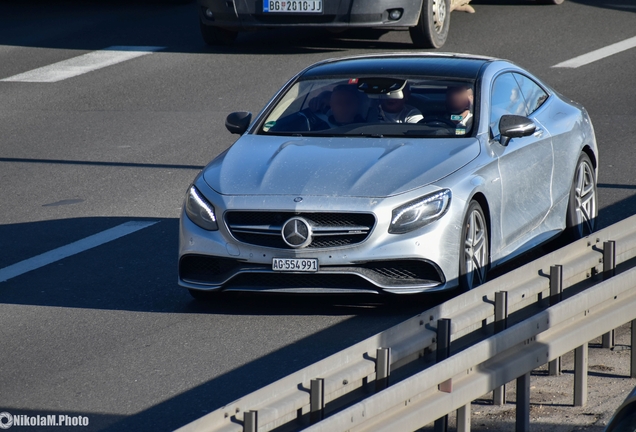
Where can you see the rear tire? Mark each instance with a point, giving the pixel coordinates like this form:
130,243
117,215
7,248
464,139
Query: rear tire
582,211
474,257
431,30
217,36
550,2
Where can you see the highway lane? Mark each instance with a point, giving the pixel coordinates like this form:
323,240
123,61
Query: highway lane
107,333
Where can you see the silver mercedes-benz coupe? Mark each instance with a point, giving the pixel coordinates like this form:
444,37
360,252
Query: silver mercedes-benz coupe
390,174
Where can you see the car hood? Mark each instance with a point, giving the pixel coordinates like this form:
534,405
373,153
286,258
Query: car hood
360,167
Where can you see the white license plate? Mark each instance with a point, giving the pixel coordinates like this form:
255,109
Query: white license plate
292,6
295,264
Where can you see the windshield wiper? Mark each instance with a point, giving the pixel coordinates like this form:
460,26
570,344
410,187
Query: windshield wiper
370,135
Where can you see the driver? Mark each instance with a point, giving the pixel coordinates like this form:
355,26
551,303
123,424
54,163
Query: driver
345,106
459,104
330,109
397,110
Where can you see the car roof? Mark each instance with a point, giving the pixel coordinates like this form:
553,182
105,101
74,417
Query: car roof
448,66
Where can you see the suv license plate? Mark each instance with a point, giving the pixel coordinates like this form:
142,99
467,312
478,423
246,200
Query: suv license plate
295,264
292,6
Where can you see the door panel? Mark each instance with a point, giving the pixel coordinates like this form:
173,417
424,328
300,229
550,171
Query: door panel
525,165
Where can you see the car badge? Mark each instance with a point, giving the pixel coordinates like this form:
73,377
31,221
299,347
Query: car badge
297,233
298,199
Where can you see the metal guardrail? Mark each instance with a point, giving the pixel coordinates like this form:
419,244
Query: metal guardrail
476,322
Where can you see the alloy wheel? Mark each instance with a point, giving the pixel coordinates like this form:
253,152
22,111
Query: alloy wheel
585,196
475,249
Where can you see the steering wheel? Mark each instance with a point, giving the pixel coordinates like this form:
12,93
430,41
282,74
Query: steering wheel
437,121
314,122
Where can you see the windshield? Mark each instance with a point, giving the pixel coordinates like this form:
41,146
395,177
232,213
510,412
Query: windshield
378,106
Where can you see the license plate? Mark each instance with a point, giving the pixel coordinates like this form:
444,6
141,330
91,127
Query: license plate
295,264
292,6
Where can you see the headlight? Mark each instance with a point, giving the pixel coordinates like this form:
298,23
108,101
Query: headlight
419,212
199,210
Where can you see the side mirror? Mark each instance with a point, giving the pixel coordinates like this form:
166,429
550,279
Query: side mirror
514,126
237,122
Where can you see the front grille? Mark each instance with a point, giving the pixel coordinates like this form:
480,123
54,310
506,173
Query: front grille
344,240
330,229
278,218
273,241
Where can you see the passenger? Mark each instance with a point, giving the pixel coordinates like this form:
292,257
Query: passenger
397,110
459,105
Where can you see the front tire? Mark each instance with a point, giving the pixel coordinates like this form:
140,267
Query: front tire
582,206
215,36
475,252
431,30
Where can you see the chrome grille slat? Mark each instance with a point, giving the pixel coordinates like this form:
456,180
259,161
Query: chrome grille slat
342,229
256,229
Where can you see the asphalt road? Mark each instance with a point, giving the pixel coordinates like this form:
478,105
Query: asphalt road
107,333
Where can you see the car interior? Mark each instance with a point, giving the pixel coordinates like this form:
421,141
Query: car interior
303,115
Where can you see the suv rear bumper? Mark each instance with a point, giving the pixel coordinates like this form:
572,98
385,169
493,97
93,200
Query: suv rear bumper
248,14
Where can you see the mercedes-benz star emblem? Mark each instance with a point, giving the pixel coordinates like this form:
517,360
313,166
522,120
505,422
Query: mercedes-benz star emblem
297,232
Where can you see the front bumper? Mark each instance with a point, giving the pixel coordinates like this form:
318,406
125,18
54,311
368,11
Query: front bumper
423,260
248,14
406,275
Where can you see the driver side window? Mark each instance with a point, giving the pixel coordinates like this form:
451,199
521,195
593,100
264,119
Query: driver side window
506,98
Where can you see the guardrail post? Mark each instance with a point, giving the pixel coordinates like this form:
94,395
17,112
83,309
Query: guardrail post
463,418
580,376
316,400
250,421
523,404
633,365
382,368
556,292
442,353
607,340
501,322
443,339
609,269
501,311
609,259
556,284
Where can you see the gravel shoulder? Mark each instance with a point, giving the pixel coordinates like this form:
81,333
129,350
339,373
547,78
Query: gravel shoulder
551,397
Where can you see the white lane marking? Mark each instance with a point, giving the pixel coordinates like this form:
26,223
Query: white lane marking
82,64
74,248
598,54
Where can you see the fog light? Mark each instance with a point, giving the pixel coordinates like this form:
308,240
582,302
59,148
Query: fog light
395,14
209,14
